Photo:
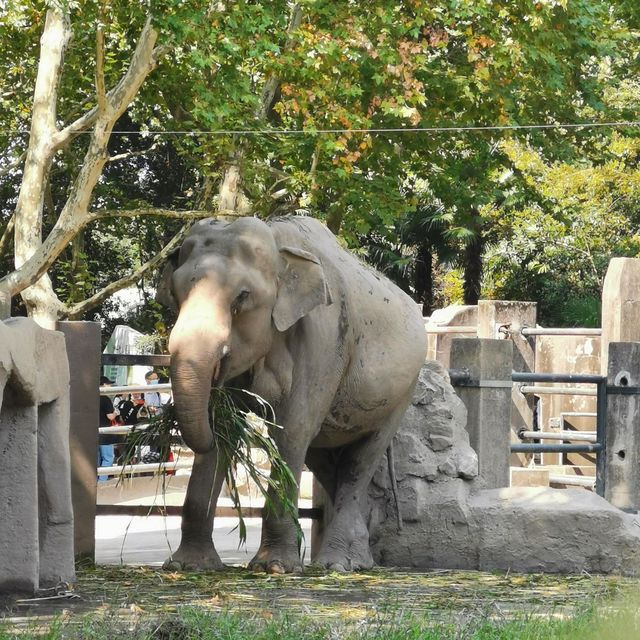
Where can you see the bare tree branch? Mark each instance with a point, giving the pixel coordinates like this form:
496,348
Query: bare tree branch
75,212
133,154
101,92
87,120
13,165
8,232
40,152
79,309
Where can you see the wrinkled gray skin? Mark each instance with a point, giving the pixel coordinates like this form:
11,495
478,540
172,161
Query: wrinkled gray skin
335,348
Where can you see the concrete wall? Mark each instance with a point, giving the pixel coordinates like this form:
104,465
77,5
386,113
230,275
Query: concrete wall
439,344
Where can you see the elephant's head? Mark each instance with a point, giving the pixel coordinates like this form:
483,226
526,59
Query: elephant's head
233,287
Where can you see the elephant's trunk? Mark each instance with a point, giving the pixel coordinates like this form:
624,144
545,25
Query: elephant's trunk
197,346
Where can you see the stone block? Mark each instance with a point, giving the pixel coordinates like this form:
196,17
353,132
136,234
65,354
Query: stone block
620,305
36,532
439,344
499,319
553,531
83,348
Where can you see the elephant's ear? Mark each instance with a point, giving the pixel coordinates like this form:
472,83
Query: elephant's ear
164,291
302,286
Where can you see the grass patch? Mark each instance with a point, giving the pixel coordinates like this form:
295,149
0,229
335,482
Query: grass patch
395,624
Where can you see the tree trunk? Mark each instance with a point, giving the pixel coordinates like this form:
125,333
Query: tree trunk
40,299
473,269
424,279
32,256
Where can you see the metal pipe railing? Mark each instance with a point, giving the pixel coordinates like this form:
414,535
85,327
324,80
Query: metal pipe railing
560,391
535,447
144,467
112,390
123,429
576,436
560,331
436,328
579,481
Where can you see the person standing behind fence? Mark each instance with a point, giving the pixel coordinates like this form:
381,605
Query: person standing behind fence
106,419
152,398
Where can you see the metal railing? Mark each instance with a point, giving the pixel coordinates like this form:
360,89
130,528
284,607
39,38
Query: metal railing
597,446
559,331
590,444
442,329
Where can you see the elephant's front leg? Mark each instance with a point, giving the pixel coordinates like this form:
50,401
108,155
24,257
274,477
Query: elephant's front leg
279,550
196,550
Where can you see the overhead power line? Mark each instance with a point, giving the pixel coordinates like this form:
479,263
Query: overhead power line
313,132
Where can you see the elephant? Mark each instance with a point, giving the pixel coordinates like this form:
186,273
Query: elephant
281,309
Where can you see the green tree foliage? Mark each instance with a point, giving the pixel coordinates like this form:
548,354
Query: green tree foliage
555,248
239,73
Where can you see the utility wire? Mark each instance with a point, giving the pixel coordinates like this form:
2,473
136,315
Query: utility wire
313,132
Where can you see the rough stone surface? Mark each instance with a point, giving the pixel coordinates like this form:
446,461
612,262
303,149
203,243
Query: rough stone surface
421,460
36,530
450,522
553,530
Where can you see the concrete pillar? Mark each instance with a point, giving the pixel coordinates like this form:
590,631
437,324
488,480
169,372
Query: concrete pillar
488,403
83,350
622,462
620,304
19,547
502,319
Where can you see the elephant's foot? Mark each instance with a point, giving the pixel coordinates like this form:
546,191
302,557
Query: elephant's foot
194,557
276,559
335,555
346,544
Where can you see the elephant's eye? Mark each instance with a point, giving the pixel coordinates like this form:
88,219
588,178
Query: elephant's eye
240,298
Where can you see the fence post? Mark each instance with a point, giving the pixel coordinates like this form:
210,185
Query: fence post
83,350
488,403
622,462
620,304
512,316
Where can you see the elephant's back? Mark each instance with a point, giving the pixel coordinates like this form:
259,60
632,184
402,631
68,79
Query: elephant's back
378,310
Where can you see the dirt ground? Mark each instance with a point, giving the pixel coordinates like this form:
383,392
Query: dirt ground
138,591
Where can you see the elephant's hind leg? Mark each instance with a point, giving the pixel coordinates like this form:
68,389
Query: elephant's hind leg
345,546
196,550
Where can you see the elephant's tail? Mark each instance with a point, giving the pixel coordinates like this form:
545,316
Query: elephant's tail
394,483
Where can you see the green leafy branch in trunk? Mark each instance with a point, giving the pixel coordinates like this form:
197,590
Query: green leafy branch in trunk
242,421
